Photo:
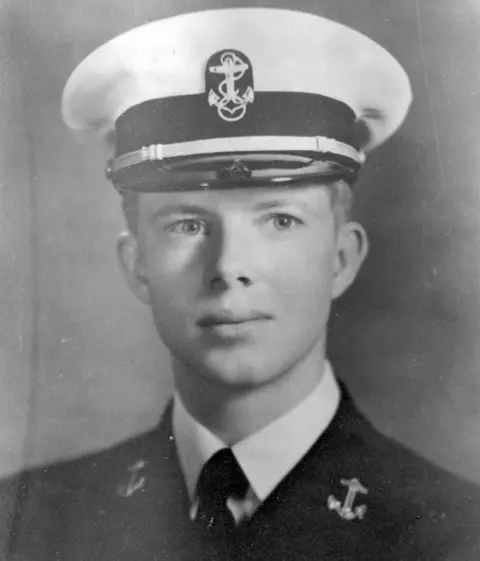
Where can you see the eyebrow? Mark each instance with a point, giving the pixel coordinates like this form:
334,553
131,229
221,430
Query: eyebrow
185,208
267,205
279,203
179,209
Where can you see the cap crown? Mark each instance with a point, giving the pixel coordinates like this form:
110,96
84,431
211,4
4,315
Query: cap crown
282,52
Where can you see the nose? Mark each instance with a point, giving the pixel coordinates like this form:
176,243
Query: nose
230,262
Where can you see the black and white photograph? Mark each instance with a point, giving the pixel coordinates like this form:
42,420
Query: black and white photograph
240,280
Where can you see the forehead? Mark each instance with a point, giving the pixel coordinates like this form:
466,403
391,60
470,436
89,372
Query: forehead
308,197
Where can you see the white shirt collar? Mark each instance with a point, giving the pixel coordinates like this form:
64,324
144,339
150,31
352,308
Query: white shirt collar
267,456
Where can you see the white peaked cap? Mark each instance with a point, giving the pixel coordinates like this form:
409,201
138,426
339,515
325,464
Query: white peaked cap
308,85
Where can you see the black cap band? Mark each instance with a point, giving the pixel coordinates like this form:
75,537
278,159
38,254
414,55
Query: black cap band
188,118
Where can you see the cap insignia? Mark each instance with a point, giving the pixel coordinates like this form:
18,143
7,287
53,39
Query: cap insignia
229,83
235,170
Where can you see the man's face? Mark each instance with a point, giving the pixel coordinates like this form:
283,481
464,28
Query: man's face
239,281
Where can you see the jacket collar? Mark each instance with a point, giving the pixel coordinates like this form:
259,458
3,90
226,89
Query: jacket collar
269,454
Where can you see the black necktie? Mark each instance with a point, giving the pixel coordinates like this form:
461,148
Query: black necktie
221,478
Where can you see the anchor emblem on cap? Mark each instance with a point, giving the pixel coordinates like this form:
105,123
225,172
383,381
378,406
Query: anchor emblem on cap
235,170
347,511
226,95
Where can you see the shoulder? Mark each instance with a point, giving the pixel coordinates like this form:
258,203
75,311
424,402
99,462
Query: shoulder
439,510
395,466
66,502
81,472
410,501
411,474
72,484
82,502
96,469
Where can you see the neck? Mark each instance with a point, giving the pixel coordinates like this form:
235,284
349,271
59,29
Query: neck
233,414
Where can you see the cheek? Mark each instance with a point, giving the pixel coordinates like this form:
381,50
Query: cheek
303,292
305,273
173,272
172,290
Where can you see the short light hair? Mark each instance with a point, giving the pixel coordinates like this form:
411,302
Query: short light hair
341,199
130,210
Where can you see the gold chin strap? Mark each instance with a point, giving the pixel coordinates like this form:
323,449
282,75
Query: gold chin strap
234,146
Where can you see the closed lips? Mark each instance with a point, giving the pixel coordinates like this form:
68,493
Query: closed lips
230,319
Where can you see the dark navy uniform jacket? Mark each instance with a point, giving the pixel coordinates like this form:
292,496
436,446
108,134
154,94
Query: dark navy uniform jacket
130,503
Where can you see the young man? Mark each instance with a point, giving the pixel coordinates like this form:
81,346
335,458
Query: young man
238,134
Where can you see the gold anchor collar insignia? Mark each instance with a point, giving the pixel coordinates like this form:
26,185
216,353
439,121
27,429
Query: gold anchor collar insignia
347,510
137,480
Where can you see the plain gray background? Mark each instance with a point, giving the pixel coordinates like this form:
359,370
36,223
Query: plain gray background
80,363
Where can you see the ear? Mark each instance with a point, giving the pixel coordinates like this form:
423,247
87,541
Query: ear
352,248
130,264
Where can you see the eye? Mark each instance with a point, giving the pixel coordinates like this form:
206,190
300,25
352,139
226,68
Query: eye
190,227
283,221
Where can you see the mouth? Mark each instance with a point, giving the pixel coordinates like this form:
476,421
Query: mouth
230,318
229,324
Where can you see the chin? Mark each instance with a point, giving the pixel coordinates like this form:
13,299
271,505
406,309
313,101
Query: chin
237,374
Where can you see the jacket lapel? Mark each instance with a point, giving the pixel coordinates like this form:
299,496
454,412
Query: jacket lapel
334,504
146,512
